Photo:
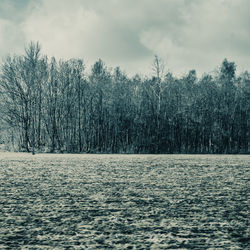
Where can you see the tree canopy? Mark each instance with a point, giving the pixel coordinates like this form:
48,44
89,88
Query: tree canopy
50,105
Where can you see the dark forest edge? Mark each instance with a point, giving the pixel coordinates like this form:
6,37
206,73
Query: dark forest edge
55,106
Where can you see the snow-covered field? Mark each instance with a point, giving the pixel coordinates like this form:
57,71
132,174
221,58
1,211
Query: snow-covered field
124,201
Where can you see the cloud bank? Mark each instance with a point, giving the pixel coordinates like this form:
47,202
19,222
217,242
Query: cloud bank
187,34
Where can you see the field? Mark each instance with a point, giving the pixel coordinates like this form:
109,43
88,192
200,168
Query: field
124,201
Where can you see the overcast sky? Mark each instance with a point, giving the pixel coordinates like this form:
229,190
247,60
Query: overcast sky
187,34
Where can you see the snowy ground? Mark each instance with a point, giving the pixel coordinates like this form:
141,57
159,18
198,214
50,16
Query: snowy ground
124,201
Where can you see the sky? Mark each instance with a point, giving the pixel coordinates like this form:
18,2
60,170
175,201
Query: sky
186,34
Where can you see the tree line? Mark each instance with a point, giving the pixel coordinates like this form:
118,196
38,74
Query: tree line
56,106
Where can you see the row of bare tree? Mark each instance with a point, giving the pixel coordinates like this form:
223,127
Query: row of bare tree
48,105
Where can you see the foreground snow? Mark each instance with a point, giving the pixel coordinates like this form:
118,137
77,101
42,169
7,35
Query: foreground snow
124,201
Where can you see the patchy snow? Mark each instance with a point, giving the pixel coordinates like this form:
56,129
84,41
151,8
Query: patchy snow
124,201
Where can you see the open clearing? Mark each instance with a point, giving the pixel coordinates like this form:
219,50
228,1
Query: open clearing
124,201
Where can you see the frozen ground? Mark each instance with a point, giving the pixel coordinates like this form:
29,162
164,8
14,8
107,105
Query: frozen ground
124,201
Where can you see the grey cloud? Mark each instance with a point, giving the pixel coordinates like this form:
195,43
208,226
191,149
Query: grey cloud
13,10
186,33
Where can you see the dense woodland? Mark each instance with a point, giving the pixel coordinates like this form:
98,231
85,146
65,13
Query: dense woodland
56,106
